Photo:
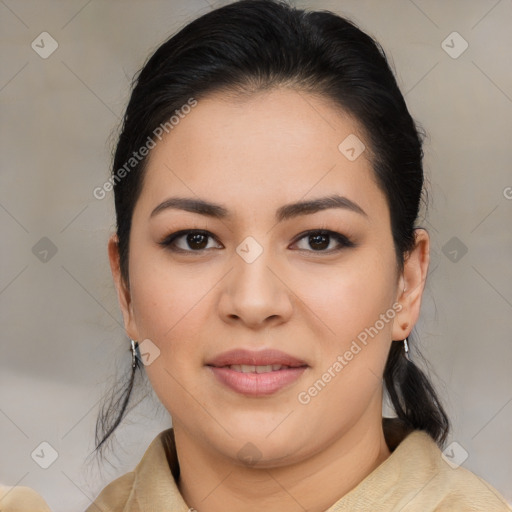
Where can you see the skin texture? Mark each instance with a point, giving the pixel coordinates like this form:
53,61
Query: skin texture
252,155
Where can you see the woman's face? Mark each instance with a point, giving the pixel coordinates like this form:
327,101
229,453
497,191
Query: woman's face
260,277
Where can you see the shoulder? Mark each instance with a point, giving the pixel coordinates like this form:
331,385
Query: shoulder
467,491
450,487
116,493
419,476
21,499
128,491
24,499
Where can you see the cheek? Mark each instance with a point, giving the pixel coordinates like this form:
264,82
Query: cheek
353,348
169,306
165,296
350,298
171,311
355,308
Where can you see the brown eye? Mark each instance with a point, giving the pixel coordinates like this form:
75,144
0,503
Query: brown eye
188,241
320,240
197,240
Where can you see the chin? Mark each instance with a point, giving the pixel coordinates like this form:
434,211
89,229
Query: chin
262,442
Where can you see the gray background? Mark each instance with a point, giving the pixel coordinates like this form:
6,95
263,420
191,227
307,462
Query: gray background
61,328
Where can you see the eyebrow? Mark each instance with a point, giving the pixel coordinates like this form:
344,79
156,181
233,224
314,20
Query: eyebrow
285,212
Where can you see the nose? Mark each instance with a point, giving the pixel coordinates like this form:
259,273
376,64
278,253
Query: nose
255,294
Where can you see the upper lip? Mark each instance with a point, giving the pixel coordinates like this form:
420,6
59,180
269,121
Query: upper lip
257,358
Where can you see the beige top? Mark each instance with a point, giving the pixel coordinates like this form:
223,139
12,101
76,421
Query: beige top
414,478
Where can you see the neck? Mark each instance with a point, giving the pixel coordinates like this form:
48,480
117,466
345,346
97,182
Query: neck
212,483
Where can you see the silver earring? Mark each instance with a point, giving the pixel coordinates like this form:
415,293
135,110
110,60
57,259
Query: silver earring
406,349
135,350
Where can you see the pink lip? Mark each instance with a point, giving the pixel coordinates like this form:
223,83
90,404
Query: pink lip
256,384
257,358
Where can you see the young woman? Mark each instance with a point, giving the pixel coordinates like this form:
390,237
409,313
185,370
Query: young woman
270,270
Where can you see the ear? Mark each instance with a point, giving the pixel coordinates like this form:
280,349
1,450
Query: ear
123,291
411,285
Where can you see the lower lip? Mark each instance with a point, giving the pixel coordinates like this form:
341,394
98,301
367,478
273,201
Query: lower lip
257,384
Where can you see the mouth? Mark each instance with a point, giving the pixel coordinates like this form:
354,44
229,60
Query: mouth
251,368
252,373
250,361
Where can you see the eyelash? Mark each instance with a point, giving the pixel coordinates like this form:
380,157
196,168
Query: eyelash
168,241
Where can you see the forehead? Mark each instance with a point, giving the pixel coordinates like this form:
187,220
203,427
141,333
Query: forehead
260,151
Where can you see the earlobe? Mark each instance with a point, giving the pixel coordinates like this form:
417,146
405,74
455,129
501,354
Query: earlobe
123,292
411,285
